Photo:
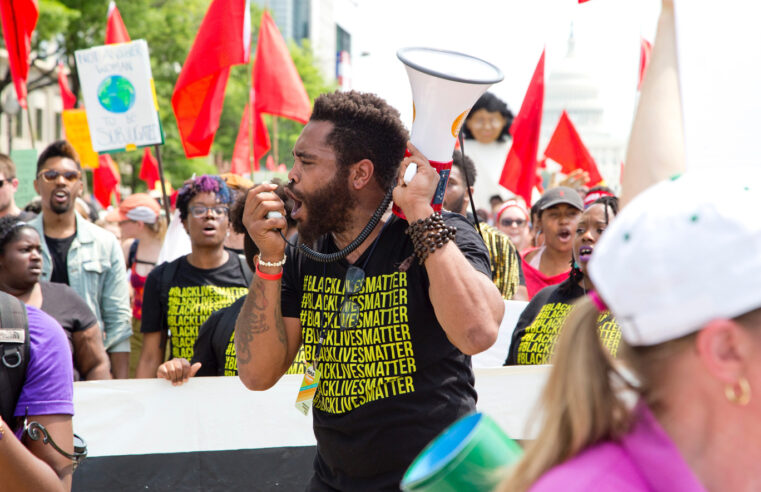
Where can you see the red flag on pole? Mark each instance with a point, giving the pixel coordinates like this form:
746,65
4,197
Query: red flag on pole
519,172
278,86
567,149
116,31
105,180
223,40
19,17
68,97
645,49
149,169
278,90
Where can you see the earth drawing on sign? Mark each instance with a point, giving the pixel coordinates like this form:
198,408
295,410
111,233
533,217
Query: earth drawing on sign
116,94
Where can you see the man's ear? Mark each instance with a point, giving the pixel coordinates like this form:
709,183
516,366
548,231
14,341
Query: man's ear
361,174
724,347
36,187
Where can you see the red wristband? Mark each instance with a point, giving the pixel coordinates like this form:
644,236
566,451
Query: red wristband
268,276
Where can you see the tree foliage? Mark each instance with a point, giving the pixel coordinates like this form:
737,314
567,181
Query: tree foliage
169,27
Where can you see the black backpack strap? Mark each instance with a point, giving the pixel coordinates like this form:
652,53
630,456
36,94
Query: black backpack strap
14,354
132,255
245,270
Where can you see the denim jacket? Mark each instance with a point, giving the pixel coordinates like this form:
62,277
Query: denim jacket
97,273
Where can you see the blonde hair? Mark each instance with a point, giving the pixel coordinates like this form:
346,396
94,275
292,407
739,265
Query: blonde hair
580,403
158,228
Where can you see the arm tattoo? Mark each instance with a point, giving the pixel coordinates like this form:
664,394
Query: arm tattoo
253,320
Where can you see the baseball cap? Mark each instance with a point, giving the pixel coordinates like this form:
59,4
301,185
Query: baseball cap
682,253
138,206
558,195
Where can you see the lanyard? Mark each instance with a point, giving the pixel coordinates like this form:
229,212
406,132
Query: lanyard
324,330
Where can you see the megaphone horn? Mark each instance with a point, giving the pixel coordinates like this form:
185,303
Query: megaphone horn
445,85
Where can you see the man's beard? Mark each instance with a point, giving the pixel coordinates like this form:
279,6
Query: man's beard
327,209
456,204
60,209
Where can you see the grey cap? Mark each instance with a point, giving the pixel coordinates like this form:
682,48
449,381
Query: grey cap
561,194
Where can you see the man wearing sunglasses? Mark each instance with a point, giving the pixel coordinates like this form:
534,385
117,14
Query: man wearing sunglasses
180,295
80,254
389,330
8,187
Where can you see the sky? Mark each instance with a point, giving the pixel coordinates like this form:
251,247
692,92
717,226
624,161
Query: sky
509,34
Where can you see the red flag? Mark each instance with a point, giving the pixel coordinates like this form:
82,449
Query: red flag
519,173
149,169
19,17
567,149
242,152
223,40
116,31
645,49
278,86
68,97
105,180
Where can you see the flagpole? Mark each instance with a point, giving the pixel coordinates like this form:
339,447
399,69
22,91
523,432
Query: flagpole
163,186
29,121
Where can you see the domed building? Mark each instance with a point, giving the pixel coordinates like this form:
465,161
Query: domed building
570,87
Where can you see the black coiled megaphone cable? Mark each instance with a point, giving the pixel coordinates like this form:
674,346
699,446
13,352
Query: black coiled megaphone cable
331,257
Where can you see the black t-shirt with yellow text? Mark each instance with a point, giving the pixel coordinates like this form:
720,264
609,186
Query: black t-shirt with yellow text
393,382
215,346
538,327
192,295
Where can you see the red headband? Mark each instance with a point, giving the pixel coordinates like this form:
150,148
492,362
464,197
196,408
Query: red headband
508,204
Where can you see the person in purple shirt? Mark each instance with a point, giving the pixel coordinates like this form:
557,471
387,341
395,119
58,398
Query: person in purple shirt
47,398
677,411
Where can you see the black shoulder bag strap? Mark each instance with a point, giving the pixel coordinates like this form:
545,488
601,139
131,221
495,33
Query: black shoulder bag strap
14,354
245,270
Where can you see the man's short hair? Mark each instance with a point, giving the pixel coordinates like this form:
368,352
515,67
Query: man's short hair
492,104
60,148
7,167
201,184
465,165
364,127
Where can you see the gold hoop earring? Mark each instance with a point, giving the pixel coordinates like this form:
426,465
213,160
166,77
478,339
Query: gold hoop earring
741,399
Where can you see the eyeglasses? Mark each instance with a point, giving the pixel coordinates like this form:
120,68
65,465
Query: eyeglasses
493,122
51,175
511,222
6,180
199,211
353,283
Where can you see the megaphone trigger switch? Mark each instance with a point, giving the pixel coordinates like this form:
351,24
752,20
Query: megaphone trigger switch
274,214
410,173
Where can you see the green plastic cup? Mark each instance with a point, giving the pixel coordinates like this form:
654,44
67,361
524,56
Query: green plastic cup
471,454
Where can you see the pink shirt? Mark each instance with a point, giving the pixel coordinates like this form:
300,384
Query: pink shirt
644,460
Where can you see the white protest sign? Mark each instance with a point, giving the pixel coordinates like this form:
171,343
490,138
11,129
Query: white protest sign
119,96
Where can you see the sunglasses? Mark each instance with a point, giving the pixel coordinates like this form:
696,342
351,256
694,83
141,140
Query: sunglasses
511,222
353,283
199,211
51,175
6,180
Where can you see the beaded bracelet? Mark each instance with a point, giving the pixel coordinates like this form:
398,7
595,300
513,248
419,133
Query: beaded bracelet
429,234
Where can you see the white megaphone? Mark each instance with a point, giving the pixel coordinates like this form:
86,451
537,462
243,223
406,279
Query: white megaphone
445,85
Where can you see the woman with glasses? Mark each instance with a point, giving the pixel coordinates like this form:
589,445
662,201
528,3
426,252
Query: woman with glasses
512,219
180,295
487,140
539,325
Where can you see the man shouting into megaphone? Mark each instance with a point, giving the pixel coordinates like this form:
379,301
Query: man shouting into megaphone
388,329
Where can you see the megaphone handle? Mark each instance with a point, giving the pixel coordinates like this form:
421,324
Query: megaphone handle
411,170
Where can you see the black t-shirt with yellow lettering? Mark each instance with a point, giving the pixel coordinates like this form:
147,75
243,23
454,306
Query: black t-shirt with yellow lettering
192,295
392,383
538,327
215,346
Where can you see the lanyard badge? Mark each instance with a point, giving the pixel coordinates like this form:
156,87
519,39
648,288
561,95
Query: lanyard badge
308,389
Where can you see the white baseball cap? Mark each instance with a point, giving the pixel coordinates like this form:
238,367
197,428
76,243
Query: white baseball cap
682,253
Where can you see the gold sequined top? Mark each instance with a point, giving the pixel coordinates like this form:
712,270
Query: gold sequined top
505,260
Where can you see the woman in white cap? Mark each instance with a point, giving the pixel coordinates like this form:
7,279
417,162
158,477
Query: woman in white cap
680,269
139,218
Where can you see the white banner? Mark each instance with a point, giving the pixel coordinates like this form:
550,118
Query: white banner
149,416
